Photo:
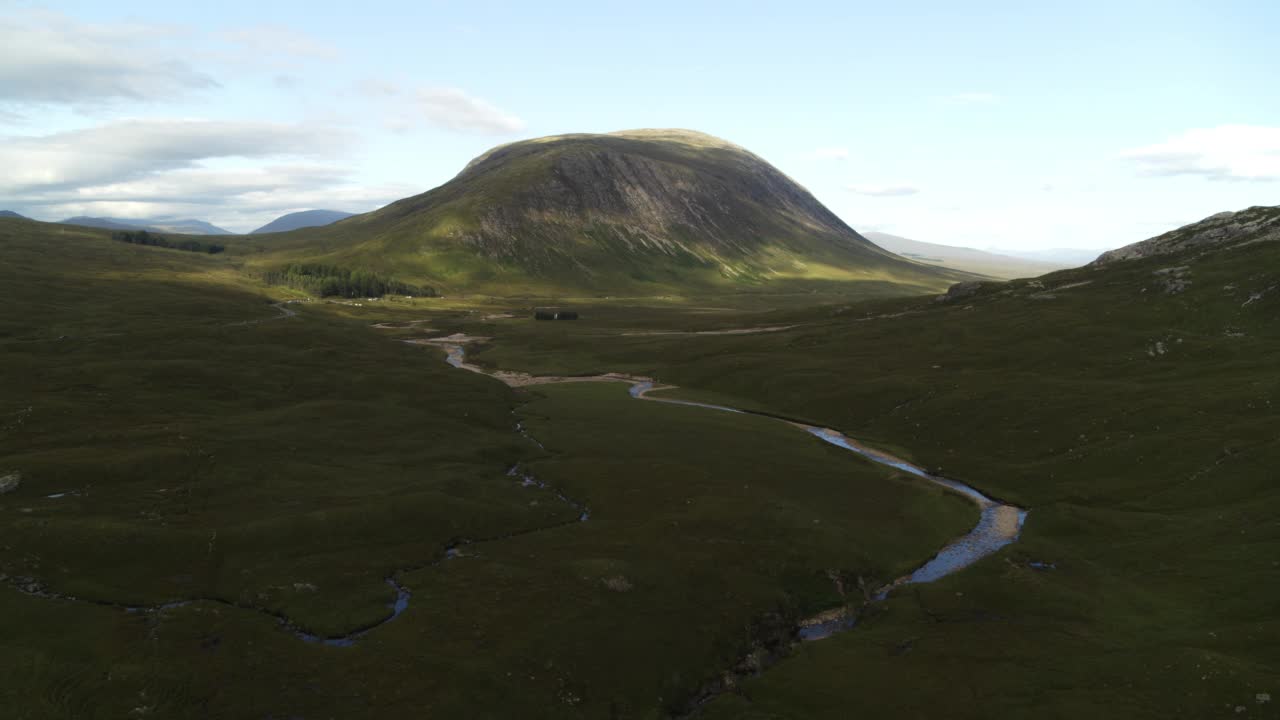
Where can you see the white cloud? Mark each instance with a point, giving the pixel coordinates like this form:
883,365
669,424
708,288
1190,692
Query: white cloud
883,190
1226,152
453,109
130,149
47,58
238,175
238,199
406,109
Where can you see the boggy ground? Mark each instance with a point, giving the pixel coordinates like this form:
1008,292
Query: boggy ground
1135,416
285,468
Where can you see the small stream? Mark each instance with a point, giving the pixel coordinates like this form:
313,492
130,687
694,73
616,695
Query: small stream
998,525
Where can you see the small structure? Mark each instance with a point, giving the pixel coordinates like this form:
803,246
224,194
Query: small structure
554,314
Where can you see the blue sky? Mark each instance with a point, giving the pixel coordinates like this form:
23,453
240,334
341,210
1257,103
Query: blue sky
1013,125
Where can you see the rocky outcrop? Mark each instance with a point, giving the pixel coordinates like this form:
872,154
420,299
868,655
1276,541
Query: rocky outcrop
960,291
1256,224
9,481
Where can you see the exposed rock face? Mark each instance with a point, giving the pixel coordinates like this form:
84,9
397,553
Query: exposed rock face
643,197
9,481
1256,224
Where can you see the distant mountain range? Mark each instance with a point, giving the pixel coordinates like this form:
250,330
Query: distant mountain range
12,214
303,219
1065,257
967,259
184,227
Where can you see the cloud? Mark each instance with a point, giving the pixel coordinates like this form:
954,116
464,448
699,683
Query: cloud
832,153
261,40
47,58
237,199
127,150
405,109
453,109
1226,152
883,190
238,175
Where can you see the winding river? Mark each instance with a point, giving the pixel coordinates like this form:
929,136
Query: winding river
998,525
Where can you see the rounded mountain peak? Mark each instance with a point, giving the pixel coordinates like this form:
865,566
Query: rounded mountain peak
609,210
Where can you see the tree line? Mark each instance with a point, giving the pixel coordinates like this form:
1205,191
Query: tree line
143,237
331,280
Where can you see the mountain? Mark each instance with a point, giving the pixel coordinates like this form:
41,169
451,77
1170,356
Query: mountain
184,227
105,223
1065,257
641,211
12,214
963,258
303,219
1226,229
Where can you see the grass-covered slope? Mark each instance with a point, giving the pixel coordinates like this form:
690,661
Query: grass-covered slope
634,213
178,438
1132,407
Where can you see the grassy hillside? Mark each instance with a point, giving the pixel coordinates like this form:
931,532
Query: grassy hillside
180,439
1131,407
637,213
203,446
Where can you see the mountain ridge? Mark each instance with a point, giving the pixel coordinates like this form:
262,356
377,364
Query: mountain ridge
302,219
643,211
1259,223
187,226
965,258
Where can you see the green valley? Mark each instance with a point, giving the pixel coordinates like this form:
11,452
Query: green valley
248,483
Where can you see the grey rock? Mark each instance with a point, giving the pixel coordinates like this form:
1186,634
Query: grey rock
960,291
1175,279
1255,224
9,481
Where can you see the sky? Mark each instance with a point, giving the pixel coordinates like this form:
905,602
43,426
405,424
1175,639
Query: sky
1008,125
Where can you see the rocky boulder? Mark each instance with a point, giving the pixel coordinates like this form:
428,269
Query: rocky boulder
960,291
